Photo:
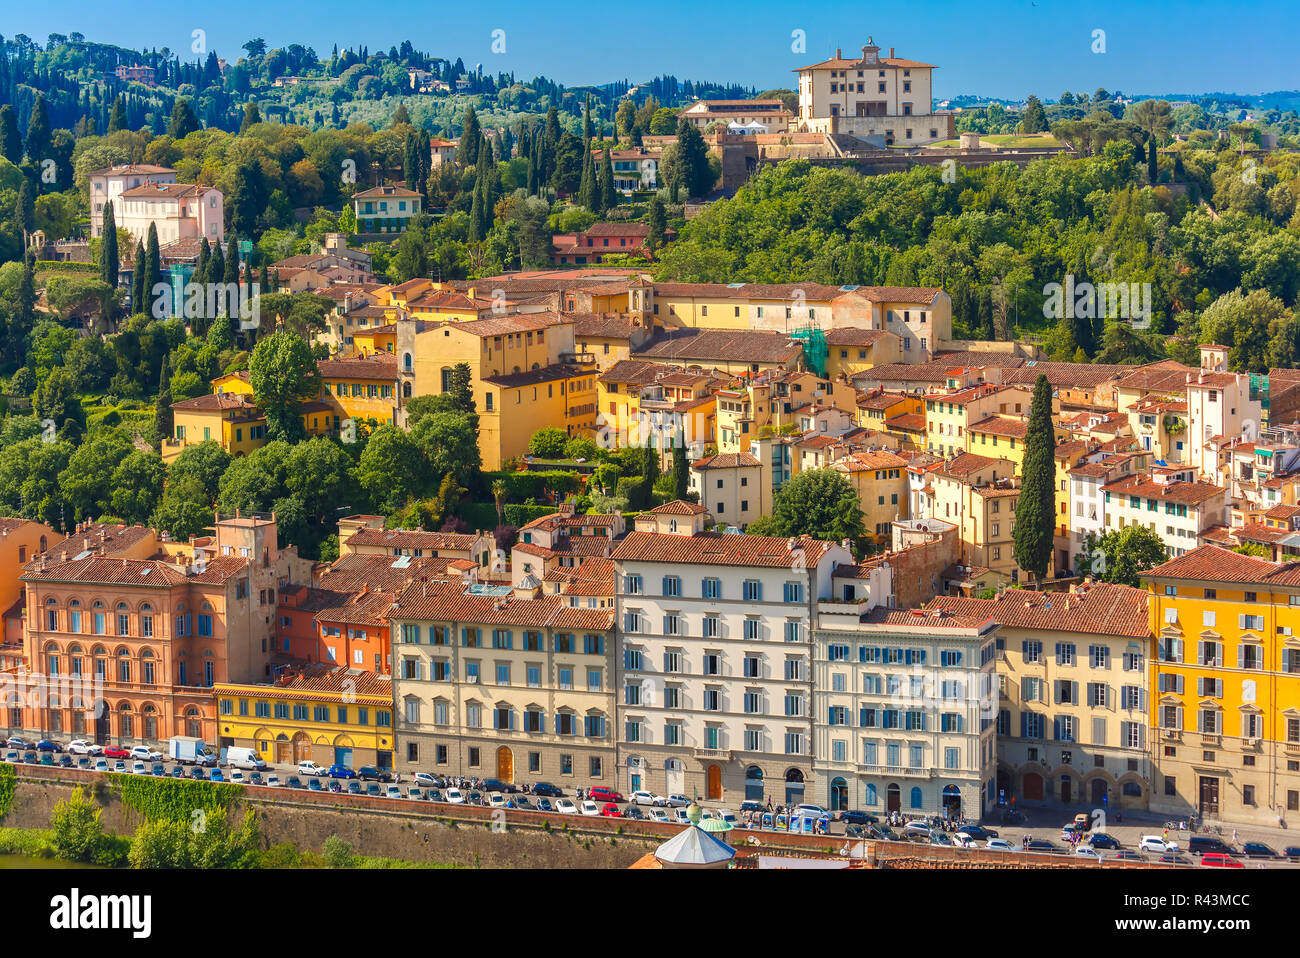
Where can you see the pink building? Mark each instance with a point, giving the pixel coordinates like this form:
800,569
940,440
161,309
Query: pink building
108,185
178,210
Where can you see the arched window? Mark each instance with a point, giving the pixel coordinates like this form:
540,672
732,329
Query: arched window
123,665
123,619
74,658
193,727
147,676
407,362
406,390
916,796
125,721
150,723
753,784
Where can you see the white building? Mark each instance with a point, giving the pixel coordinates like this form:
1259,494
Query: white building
904,704
716,672
108,185
885,98
1221,407
176,210
1170,502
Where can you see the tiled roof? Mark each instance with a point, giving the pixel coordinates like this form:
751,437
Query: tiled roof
1065,375
1185,493
965,463
377,366
725,460
1002,426
1214,564
678,507
1167,375
103,571
736,345
926,618
1104,609
220,403
708,548
860,461
504,325
805,292
908,422
325,678
635,371
412,539
448,602
853,336
602,325
532,377
107,538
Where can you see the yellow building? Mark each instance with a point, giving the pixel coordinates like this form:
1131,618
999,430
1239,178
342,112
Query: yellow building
1225,686
231,420
979,495
608,337
852,349
361,387
618,401
323,713
880,480
21,540
876,408
948,416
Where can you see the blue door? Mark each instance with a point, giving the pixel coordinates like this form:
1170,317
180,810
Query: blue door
343,756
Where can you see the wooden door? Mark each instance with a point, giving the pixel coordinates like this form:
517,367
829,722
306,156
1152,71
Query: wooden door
1033,787
713,783
1209,796
506,765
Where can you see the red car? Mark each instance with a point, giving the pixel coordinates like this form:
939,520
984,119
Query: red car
610,810
112,751
602,794
1220,860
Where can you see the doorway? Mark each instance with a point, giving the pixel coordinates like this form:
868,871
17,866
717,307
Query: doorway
343,756
301,747
1066,795
893,799
952,801
713,783
794,787
1099,791
506,765
1209,795
283,751
1032,787
839,796
676,776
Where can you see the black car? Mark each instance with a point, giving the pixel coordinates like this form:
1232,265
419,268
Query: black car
634,813
1174,859
15,741
523,802
256,779
197,774
854,817
548,790
978,831
369,773
544,805
1042,845
1200,844
496,785
1103,841
1292,852
294,782
1258,850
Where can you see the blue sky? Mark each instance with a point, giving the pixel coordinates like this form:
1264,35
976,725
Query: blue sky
998,47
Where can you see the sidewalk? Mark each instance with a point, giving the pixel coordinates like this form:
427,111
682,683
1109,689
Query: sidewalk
1044,820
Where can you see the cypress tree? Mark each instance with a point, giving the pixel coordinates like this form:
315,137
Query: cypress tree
117,120
108,249
588,195
137,280
11,144
38,132
152,264
264,281
231,273
681,469
163,422
657,220
1153,169
1036,506
608,195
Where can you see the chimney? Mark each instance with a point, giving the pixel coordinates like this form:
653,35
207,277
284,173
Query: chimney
839,54
891,53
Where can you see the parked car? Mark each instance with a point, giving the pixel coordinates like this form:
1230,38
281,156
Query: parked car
610,810
310,768
18,742
341,771
146,754
416,793
354,787
65,761
454,796
496,785
1042,845
178,772
1086,851
941,838
1292,852
214,775
156,768
293,782
313,784
79,746
602,794
368,773
588,807
101,765
544,805
916,828
962,840
1201,844
272,781
255,778
565,807
1258,850
1127,855
548,790
1154,843
1175,860
749,805
999,845
48,745
658,815
635,814
809,810
979,831
197,774
393,791
851,815
138,768
496,800
1105,842
676,801
1220,860
424,779
373,790
114,751
645,798
728,816
679,815
237,777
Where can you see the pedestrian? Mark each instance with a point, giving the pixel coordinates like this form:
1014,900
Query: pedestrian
1234,836
1166,835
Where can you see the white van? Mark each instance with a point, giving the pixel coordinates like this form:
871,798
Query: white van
238,757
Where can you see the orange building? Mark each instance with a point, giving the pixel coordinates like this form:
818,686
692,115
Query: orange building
20,540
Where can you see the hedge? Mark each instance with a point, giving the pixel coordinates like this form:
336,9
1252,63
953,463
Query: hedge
172,798
517,515
7,781
478,515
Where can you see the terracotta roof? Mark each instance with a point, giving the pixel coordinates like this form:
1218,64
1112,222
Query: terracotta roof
105,571
1104,609
736,345
860,461
449,602
504,325
603,325
1065,375
1002,426
805,292
617,229
710,548
377,191
908,422
1214,564
853,336
376,366
1185,493
324,678
635,371
165,191
107,538
532,377
964,463
220,403
725,460
1167,375
412,539
678,507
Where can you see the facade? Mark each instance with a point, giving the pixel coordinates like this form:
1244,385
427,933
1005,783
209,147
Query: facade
107,186
715,678
903,708
730,486
765,116
327,714
886,98
1225,687
1170,502
504,683
1072,711
178,211
880,480
385,209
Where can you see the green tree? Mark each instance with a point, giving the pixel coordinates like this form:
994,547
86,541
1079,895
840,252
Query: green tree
137,486
252,117
11,144
820,503
390,469
1036,503
183,121
692,159
548,442
681,470
1126,554
152,273
117,119
88,481
283,375
448,442
608,195
163,418
38,132
657,221
176,844
108,259
56,401
1034,118
185,509
76,834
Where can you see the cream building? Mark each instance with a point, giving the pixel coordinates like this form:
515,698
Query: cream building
1168,501
716,689
1072,712
730,487
904,707
108,185
501,682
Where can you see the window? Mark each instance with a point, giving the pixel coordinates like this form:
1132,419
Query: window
752,590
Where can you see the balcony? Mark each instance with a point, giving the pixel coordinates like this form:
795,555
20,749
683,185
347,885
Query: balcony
713,754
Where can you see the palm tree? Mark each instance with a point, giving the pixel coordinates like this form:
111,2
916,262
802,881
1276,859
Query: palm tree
499,494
